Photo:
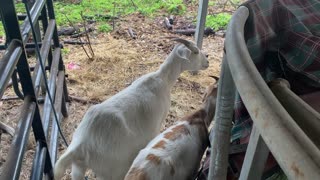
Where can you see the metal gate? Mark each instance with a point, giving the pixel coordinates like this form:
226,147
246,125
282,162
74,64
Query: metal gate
47,76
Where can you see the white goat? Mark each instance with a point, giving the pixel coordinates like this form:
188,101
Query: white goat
175,154
112,133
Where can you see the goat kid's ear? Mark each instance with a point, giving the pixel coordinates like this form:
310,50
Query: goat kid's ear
184,53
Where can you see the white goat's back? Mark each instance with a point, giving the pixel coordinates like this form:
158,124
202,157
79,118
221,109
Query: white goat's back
112,133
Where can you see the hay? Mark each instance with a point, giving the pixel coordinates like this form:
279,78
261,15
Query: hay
119,60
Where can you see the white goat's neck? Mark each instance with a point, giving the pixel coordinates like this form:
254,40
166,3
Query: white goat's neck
171,69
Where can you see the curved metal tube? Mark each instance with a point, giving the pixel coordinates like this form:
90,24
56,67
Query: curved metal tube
222,124
277,128
304,115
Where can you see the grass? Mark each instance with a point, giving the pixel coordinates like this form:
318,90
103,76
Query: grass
218,21
100,10
92,8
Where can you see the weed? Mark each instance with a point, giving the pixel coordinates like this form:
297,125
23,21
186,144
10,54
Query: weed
104,28
65,51
218,21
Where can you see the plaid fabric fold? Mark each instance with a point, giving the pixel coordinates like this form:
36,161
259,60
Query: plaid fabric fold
283,39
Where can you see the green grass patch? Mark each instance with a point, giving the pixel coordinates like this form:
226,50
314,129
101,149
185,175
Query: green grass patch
66,12
91,8
104,28
218,21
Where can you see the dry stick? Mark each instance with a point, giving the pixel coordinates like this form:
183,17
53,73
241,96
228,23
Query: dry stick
167,23
74,42
87,35
90,29
84,49
223,11
7,129
131,33
81,100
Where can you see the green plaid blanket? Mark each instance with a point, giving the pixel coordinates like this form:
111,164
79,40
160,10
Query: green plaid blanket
283,39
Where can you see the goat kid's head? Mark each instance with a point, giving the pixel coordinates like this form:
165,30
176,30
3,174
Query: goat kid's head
209,101
190,55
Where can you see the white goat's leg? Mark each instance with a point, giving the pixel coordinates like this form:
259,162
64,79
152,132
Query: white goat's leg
78,171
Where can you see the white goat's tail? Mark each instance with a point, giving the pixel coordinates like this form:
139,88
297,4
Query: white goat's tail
62,164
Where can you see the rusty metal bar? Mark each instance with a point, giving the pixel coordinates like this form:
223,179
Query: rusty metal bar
8,63
47,108
58,104
12,166
268,115
304,115
222,124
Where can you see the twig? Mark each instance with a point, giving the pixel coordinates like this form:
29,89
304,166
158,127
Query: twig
167,23
131,33
74,42
90,29
81,100
223,11
7,129
84,49
87,35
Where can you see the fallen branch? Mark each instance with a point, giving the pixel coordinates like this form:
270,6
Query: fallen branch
167,23
81,100
90,29
87,36
68,30
171,19
190,32
132,34
6,129
75,42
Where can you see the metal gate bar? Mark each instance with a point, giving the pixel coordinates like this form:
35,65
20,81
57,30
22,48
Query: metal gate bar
16,58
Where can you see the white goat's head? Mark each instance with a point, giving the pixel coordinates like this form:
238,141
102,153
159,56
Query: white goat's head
190,55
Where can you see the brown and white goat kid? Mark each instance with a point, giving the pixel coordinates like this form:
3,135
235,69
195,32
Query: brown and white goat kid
175,154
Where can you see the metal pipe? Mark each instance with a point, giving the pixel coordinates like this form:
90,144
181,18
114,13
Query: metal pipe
8,64
15,84
46,44
306,117
51,15
12,166
55,131
265,110
47,108
222,125
256,157
39,162
201,21
35,13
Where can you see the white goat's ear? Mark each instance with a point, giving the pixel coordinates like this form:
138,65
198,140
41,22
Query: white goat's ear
184,53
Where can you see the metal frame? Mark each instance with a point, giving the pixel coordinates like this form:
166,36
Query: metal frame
295,152
15,60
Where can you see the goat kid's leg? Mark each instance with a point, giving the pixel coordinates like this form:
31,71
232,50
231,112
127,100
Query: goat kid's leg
78,171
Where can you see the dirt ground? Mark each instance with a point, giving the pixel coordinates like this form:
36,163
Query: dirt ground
118,61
